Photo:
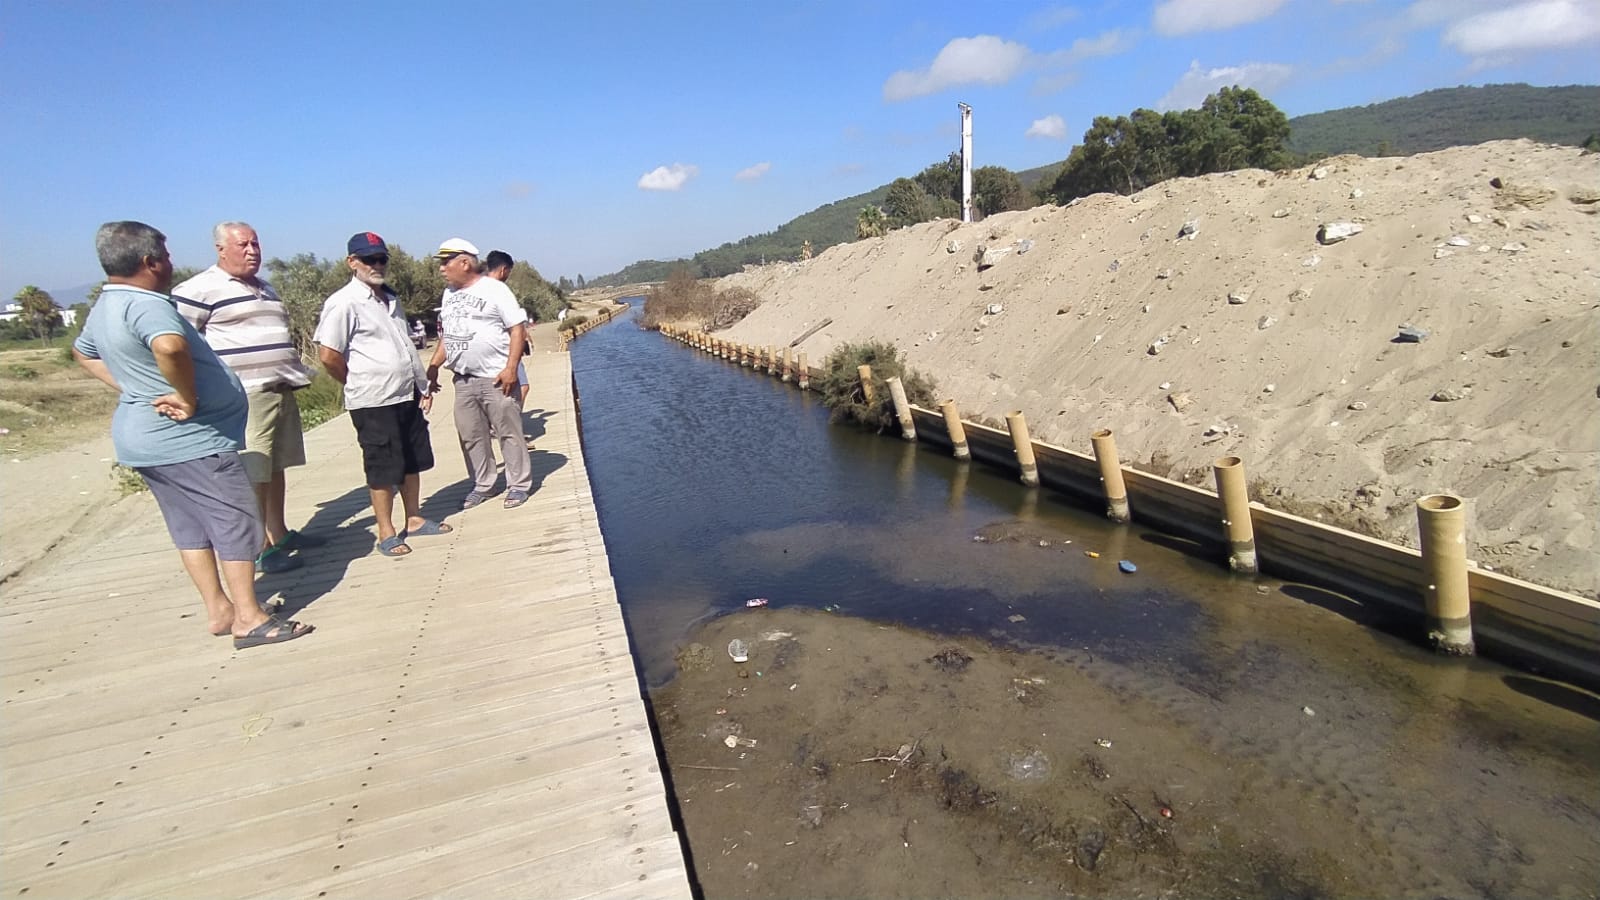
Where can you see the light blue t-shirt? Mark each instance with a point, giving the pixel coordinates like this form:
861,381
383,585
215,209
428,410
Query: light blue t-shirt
119,331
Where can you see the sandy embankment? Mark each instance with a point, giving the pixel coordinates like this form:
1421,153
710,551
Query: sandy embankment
1110,315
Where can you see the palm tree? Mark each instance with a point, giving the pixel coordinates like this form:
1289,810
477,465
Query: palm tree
870,223
39,310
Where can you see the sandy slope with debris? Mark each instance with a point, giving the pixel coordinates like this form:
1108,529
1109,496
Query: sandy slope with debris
1304,379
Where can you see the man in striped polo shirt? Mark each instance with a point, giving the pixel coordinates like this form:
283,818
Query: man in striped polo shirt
243,320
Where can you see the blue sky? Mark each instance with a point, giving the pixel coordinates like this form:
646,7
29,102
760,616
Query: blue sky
585,135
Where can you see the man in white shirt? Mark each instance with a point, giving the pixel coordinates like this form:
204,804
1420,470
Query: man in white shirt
365,346
481,339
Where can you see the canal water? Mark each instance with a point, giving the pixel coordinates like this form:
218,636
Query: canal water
716,484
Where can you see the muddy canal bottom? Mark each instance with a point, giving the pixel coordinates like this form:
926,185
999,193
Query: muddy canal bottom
849,758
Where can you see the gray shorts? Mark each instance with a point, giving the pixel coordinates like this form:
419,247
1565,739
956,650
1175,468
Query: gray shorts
209,504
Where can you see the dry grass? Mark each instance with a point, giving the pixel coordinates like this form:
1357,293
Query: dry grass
47,403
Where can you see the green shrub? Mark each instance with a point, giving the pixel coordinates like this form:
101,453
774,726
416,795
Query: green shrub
840,384
571,322
320,401
127,480
22,372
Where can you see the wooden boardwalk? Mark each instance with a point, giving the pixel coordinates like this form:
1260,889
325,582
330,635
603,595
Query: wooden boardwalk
464,722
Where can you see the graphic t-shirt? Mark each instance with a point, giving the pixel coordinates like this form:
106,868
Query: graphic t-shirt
474,326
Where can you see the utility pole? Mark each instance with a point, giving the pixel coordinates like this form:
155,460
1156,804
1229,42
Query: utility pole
966,162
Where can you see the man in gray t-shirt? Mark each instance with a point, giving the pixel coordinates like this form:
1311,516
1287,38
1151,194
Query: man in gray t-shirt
481,336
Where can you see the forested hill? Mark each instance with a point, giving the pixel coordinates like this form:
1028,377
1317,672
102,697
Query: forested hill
1451,117
1428,121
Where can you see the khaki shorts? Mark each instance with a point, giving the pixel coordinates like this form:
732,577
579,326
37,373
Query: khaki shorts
272,438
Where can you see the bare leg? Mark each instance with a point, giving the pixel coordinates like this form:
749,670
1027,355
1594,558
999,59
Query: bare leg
241,613
383,509
411,497
270,497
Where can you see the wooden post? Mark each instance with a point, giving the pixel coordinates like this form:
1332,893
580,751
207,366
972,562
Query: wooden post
1442,523
1235,499
1024,448
957,431
788,368
902,408
804,375
1105,451
864,372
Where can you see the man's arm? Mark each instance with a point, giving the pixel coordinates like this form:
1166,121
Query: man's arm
334,363
507,379
96,367
177,366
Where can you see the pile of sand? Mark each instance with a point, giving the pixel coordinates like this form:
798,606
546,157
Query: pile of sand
1212,316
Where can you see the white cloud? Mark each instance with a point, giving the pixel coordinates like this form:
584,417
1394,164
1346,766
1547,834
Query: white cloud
1051,17
1428,13
1184,16
1107,43
1052,126
1197,83
754,172
667,178
984,59
1539,25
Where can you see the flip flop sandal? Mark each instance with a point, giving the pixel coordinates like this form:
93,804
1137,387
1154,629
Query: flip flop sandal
390,546
272,631
428,528
296,540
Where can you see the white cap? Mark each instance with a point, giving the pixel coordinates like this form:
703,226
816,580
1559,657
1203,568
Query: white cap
456,245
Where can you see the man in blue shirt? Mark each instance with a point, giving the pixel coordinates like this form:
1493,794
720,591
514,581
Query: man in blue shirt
180,423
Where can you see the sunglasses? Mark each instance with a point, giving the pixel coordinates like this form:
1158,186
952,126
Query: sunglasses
381,259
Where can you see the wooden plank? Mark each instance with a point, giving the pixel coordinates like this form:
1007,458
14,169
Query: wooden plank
450,704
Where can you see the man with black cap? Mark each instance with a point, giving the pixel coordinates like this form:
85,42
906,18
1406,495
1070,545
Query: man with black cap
483,331
364,344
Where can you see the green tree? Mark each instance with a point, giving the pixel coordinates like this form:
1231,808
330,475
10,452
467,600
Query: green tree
1260,131
1234,128
997,189
907,203
40,312
539,298
942,181
871,223
303,282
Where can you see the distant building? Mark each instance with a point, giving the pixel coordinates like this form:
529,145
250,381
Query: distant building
13,309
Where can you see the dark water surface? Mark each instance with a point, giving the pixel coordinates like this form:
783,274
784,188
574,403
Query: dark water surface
716,484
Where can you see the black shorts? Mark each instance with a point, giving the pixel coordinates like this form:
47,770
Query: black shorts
394,442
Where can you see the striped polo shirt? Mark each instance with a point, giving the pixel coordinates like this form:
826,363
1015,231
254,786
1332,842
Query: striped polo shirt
247,326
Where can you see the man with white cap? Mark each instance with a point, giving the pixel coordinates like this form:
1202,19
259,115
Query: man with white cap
482,332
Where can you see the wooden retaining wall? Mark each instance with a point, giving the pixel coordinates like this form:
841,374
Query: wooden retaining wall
1516,621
